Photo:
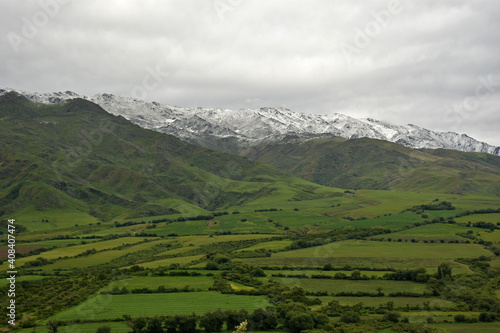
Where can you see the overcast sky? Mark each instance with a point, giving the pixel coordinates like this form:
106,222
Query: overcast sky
432,63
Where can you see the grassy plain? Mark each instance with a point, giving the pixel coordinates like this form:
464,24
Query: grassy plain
363,253
153,282
115,306
339,286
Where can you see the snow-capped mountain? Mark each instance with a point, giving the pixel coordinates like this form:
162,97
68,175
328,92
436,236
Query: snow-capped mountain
235,130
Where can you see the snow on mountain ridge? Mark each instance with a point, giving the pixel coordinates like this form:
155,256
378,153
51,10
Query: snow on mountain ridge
239,129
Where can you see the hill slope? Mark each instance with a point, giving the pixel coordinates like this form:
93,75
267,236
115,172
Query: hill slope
73,157
375,164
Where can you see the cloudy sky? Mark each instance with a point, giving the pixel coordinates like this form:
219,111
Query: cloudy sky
435,64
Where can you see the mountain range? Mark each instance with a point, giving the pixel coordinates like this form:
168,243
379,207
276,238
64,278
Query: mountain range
237,130
69,158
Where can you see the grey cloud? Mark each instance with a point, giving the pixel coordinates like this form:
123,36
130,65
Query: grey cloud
250,53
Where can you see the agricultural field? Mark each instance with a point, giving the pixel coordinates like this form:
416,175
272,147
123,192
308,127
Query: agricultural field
354,286
365,252
269,246
434,232
375,254
466,328
153,282
109,307
397,301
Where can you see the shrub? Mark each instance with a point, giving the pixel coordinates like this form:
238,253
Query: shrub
212,321
104,329
487,317
350,317
392,316
299,321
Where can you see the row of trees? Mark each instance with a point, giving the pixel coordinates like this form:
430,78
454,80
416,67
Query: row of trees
293,315
259,319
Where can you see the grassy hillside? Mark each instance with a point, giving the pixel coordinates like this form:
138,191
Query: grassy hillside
374,164
75,162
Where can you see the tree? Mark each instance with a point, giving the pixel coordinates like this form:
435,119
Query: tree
212,321
103,329
171,324
258,272
53,325
187,324
444,271
320,319
154,326
221,258
392,316
298,322
137,324
261,319
327,267
356,274
211,266
487,317
234,318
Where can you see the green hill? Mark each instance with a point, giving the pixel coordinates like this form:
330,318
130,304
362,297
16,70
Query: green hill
74,161
380,165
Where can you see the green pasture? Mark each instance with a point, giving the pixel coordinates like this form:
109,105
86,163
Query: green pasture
467,327
104,307
285,195
72,214
308,273
374,254
194,242
235,225
397,301
60,242
492,218
116,327
153,282
393,221
438,316
100,257
71,251
360,262
276,245
434,231
366,248
487,235
379,203
338,286
472,202
168,261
